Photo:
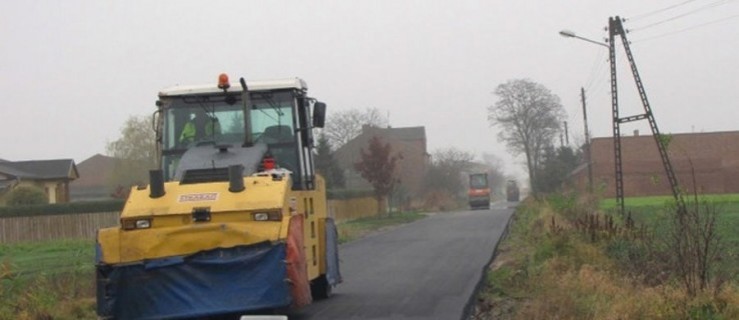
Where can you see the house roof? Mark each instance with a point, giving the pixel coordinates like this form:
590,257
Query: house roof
95,171
7,169
41,169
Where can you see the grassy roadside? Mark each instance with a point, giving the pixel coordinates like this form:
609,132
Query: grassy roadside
55,280
355,229
551,266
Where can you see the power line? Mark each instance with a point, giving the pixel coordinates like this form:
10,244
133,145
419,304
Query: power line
707,6
687,29
598,85
644,15
598,63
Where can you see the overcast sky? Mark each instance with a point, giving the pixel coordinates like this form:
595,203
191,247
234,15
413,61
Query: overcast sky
71,72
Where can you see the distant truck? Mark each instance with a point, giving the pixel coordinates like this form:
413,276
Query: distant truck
512,191
479,192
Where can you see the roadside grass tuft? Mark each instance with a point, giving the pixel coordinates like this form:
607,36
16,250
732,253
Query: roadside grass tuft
355,229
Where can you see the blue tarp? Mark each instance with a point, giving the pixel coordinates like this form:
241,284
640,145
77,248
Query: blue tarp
207,283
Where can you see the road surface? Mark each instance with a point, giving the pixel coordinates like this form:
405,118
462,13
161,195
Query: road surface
428,269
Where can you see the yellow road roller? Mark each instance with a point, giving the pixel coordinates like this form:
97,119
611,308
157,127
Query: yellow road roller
233,219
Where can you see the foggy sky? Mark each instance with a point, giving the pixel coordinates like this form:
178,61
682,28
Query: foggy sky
71,72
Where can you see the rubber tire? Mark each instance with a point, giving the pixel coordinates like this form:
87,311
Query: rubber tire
320,289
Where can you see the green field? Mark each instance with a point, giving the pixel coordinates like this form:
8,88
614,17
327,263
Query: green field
660,201
48,258
653,212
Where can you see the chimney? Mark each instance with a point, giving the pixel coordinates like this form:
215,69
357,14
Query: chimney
636,133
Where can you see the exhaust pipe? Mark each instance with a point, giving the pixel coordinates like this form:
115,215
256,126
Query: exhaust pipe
236,178
156,183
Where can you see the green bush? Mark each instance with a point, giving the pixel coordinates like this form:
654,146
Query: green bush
62,208
343,194
26,195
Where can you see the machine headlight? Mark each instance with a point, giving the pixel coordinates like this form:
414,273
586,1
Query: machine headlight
135,224
267,216
143,224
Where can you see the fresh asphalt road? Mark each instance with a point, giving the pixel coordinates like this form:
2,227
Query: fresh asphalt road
427,269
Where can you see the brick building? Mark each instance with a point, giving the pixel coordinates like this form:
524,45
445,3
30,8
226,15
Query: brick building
714,157
409,142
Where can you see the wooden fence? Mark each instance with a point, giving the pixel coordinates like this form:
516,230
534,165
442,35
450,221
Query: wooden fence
85,225
350,209
54,227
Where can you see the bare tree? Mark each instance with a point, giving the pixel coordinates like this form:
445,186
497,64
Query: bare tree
135,151
344,126
529,116
496,176
327,166
445,172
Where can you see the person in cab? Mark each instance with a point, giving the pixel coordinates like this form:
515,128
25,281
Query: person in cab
200,127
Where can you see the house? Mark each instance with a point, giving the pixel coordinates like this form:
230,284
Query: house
51,176
409,143
95,179
712,158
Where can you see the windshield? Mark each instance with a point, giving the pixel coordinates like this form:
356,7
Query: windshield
478,181
199,121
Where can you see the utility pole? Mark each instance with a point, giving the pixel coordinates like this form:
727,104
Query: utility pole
588,152
567,135
615,27
561,140
614,115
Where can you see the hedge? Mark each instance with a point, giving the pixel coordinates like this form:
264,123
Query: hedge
117,205
343,194
62,208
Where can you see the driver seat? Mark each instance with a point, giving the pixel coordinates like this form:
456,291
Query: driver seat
276,134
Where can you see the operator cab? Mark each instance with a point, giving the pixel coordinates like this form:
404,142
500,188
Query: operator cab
278,113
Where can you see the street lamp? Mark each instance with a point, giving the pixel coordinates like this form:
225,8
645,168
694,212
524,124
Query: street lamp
588,151
570,34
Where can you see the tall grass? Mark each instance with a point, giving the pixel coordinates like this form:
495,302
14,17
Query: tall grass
49,280
555,264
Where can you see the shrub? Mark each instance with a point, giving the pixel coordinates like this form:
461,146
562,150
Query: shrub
344,194
62,208
694,244
26,195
